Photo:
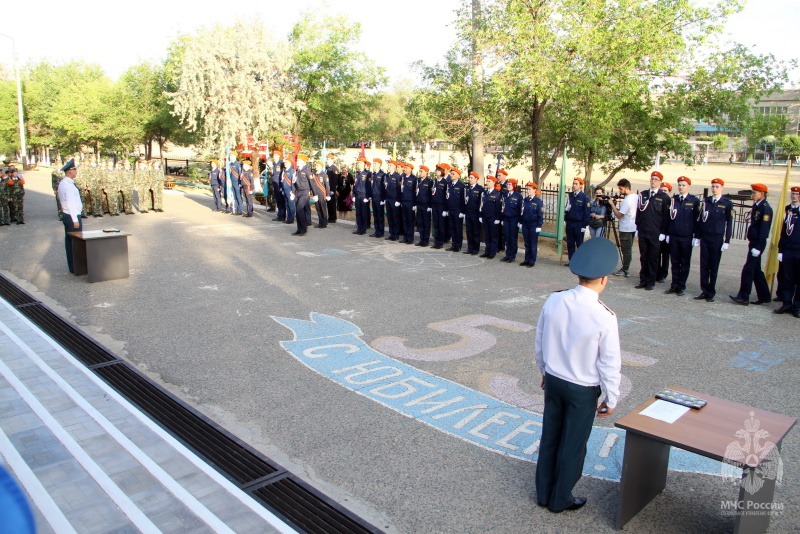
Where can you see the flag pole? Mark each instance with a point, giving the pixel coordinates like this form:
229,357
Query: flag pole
772,260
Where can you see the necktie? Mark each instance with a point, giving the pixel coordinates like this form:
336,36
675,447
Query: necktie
681,198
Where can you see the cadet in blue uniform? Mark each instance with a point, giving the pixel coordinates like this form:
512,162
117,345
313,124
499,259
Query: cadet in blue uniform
512,209
491,206
455,209
422,201
577,217
652,217
684,209
248,182
321,190
287,184
502,178
408,189
333,181
789,257
439,207
531,220
757,235
663,247
217,182
472,211
391,195
302,193
361,194
276,178
378,200
235,183
714,229
578,353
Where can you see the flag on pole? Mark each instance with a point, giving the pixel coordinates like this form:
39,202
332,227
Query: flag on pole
777,228
363,154
324,153
498,163
228,187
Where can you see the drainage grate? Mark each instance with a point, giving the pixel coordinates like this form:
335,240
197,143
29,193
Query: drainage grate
281,492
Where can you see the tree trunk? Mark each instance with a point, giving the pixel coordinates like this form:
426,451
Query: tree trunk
624,165
588,163
551,163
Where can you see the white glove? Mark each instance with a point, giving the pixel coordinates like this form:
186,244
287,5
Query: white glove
315,198
366,200
584,229
636,233
780,256
444,214
383,202
519,225
695,242
724,246
480,220
667,239
538,230
396,204
291,196
497,222
460,215
414,208
755,252
661,237
327,198
430,209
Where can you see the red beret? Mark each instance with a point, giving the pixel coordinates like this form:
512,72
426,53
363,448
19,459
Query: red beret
685,179
365,160
492,178
717,181
423,168
409,165
795,190
330,156
456,171
303,157
513,181
579,179
502,171
475,174
533,185
377,160
759,187
658,174
668,186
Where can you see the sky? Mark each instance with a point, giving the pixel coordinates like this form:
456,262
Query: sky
394,34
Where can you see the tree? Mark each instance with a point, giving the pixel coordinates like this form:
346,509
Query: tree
791,144
719,142
331,77
234,82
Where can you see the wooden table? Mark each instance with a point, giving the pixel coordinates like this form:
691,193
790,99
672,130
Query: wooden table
101,255
708,432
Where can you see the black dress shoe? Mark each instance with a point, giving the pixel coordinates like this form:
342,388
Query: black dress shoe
288,222
373,235
356,232
796,313
490,257
450,249
576,505
473,253
680,292
456,249
469,252
649,288
298,233
739,301
419,244
660,280
640,285
709,298
524,264
484,255
701,296
275,219
531,265
671,290
437,247
776,299
782,310
760,301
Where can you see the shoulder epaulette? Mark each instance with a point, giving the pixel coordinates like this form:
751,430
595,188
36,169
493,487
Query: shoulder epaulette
606,307
560,290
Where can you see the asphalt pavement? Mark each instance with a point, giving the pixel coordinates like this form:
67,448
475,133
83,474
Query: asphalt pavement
397,379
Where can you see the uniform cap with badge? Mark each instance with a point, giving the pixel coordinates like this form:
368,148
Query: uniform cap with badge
761,188
596,258
68,166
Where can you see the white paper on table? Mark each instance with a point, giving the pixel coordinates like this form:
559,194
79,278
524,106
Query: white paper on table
669,412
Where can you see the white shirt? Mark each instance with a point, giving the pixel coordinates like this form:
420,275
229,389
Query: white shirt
577,340
70,198
628,210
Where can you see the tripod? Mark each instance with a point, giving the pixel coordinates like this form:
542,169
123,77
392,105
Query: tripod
609,228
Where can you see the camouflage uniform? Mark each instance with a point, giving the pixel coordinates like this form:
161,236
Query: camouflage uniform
98,193
127,187
5,211
16,191
143,187
83,181
56,177
157,186
112,187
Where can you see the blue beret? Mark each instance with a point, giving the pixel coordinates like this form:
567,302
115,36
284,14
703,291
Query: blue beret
68,166
596,258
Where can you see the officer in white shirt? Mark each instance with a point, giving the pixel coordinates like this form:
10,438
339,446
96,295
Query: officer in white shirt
578,354
627,224
71,207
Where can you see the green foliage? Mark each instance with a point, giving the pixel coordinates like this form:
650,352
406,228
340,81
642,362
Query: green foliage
791,144
720,142
9,122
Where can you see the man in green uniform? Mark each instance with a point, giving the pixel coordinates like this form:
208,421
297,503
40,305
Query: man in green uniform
55,178
16,192
5,197
143,186
157,186
127,186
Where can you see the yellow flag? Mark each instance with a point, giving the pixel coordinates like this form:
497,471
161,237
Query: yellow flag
777,228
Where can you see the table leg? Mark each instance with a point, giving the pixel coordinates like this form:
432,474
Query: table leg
644,474
79,263
755,509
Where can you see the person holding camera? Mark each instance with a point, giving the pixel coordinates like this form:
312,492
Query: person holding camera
597,213
627,224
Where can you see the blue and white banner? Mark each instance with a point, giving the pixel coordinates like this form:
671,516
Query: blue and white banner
333,347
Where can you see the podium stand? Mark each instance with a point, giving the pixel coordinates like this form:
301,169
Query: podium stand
101,255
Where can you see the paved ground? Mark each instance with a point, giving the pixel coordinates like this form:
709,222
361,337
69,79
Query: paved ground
219,309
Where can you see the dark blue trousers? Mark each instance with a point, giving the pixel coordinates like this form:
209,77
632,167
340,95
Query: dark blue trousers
303,212
649,251
473,234
752,274
439,225
393,218
424,224
569,411
510,230
574,236
290,204
377,217
407,209
237,197
69,227
710,255
531,239
215,186
456,229
280,200
680,253
491,233
790,280
362,214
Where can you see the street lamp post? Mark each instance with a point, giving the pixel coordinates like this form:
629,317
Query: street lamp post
22,146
